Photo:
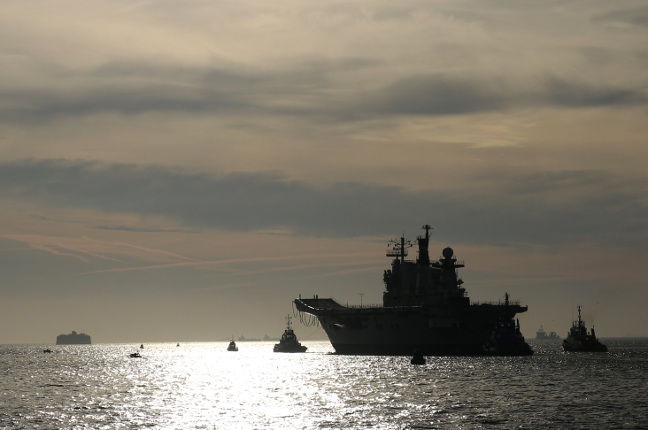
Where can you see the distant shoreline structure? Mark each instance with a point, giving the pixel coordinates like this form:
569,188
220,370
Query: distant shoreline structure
242,338
73,338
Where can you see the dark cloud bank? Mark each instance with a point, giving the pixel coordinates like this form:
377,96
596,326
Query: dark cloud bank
526,211
325,90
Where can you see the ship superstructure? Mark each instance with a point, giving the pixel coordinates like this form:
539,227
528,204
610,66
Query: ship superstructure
232,346
424,309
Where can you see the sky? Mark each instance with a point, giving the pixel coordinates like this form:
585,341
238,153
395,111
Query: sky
177,171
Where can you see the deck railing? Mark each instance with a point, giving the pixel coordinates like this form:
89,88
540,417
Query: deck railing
498,303
376,306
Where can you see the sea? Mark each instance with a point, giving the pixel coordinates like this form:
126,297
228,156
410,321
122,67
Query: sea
203,386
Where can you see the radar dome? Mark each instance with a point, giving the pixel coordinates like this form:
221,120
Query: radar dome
448,252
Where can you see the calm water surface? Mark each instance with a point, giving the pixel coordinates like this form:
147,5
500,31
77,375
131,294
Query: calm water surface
202,386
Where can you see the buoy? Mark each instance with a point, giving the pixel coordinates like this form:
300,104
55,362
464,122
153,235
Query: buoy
418,358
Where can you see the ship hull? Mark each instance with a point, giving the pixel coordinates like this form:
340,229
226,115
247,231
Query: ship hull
290,349
73,339
406,349
427,342
430,331
575,345
404,338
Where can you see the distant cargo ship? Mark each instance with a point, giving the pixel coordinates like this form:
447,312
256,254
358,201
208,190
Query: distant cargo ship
73,338
424,310
542,335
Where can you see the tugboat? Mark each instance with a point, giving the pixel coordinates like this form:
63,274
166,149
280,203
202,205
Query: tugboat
425,307
288,341
232,346
578,340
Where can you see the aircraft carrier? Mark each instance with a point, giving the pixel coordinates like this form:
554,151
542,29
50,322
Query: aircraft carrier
425,309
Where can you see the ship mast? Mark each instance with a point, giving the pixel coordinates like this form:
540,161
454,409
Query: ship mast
427,229
424,256
398,249
288,318
580,322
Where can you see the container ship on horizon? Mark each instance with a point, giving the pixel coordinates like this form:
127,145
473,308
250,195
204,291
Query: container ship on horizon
424,310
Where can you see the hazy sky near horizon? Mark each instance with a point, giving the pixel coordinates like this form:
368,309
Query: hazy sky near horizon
182,170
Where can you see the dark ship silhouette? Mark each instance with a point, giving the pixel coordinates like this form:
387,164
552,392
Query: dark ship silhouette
425,309
578,340
73,338
232,346
288,341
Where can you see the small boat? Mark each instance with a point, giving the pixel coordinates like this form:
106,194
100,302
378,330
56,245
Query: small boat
142,346
177,344
232,346
135,355
288,341
578,340
418,358
47,351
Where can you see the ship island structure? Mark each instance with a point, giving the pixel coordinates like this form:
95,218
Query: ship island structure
425,309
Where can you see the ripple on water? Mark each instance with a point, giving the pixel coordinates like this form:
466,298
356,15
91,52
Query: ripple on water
202,386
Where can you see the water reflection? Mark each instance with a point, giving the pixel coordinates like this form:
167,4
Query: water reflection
201,385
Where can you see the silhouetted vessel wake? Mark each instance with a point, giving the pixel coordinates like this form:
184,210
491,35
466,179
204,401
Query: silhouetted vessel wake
578,340
424,309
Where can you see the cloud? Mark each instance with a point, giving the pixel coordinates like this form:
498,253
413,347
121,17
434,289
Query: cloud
134,229
542,208
354,61
637,16
88,249
134,87
441,94
570,94
312,88
438,95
